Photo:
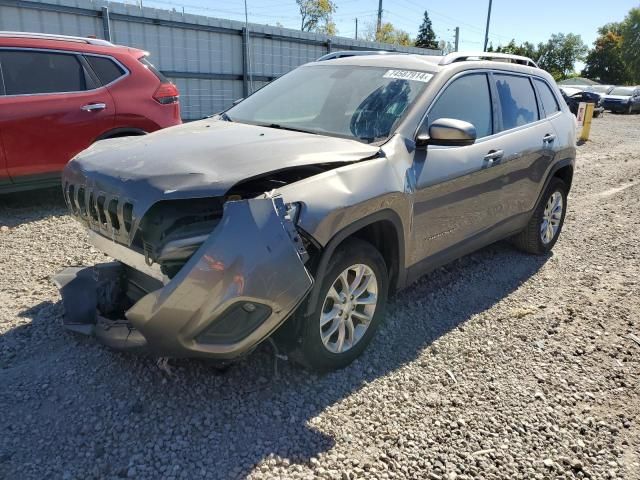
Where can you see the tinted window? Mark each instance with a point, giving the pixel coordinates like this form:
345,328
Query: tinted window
468,99
155,71
41,72
106,69
517,100
548,99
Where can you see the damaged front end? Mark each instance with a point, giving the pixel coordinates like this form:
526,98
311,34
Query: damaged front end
213,281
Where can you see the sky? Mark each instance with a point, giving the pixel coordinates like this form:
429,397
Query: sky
522,21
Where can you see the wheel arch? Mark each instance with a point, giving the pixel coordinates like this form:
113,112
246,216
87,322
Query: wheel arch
121,132
562,169
564,172
383,229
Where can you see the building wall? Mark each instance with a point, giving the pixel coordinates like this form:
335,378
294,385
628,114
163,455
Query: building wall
208,58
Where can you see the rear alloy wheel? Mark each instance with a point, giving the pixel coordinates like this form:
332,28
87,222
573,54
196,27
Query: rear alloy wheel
545,225
551,218
349,308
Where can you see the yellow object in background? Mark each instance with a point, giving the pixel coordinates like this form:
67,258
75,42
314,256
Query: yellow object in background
586,123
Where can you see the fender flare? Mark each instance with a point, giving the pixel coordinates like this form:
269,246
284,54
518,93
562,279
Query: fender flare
566,162
340,236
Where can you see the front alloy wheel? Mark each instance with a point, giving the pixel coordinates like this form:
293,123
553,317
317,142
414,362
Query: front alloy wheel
349,306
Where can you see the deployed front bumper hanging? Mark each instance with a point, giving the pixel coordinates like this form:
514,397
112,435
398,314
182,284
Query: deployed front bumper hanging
238,287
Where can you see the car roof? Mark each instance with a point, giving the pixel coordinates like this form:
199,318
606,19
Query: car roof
61,38
353,53
64,42
415,62
436,63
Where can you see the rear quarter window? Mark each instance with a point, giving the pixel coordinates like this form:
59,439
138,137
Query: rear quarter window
547,98
105,68
155,71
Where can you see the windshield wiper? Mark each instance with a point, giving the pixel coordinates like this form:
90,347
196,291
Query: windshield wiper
282,127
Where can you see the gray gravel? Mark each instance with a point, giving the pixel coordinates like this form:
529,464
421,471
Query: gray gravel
500,365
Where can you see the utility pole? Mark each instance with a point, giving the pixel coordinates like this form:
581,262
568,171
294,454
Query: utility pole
248,46
457,38
356,28
379,17
486,33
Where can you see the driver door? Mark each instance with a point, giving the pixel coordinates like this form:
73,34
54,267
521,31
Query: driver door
458,187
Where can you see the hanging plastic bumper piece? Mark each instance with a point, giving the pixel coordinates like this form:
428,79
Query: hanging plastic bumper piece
235,290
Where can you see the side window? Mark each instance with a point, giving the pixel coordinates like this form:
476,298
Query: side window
106,69
28,72
466,98
548,99
517,100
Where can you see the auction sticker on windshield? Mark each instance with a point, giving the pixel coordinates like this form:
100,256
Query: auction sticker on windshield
409,75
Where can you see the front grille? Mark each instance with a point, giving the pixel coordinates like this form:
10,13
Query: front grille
100,211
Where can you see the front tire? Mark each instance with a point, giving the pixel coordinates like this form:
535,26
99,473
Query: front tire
350,306
544,227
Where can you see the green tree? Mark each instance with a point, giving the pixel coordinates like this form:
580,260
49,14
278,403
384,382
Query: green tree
525,49
426,36
316,16
605,62
403,38
388,34
559,54
630,44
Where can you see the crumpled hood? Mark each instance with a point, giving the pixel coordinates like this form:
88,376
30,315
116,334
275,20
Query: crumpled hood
203,158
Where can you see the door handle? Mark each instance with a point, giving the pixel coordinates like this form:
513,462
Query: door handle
494,156
548,138
93,107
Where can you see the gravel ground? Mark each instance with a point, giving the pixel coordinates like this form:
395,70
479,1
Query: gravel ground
500,365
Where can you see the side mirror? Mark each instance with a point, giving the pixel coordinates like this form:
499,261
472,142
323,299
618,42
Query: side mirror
237,101
446,132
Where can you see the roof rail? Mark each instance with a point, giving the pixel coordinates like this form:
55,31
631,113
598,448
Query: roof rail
499,57
65,38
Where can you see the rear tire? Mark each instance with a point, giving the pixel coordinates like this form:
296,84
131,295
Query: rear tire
350,306
544,227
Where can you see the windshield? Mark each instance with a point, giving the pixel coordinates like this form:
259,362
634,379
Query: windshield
621,91
364,103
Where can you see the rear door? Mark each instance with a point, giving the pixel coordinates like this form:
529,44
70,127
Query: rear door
52,109
527,142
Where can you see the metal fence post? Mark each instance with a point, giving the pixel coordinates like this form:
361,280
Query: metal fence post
106,24
328,45
245,62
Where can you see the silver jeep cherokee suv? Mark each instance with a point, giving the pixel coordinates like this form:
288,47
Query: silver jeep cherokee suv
301,208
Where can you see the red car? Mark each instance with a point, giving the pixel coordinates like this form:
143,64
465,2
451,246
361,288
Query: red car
60,94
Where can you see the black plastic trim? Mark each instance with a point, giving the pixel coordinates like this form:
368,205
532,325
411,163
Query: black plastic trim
31,182
338,238
120,131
